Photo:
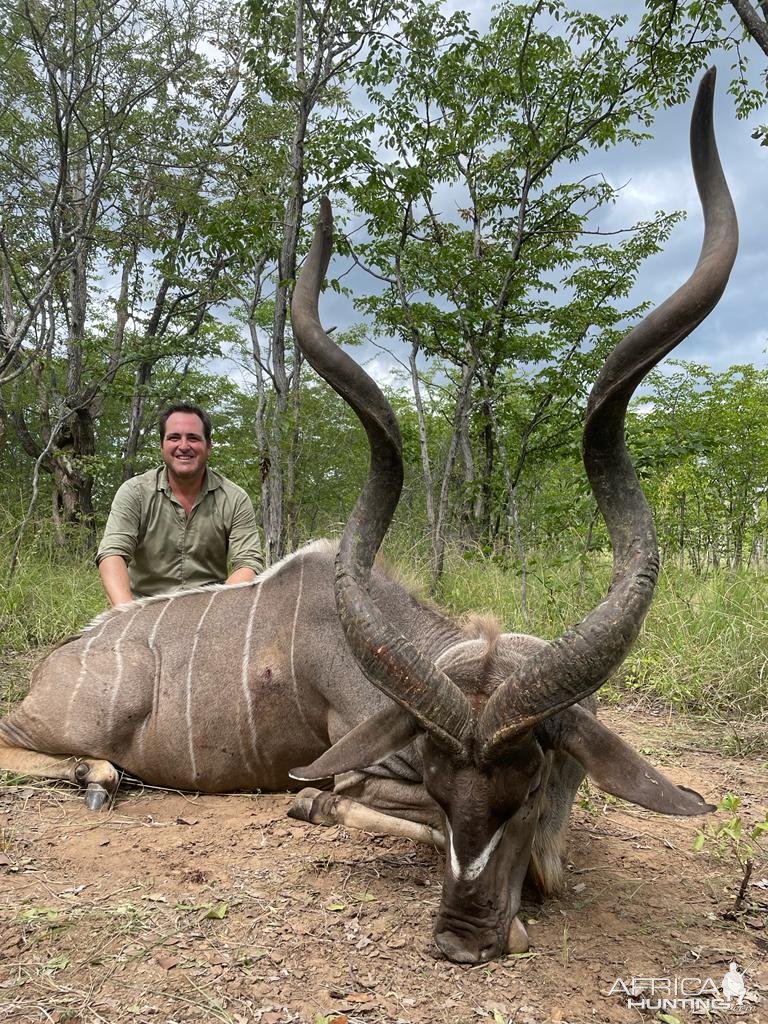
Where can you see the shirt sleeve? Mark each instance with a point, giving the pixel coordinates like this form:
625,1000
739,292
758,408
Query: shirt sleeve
244,546
121,534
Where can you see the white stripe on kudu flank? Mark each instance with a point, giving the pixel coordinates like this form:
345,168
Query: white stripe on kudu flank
293,647
119,653
81,675
158,620
295,622
142,730
120,665
247,696
193,648
152,646
318,546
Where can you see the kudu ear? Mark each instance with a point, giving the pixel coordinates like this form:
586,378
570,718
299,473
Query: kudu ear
376,738
616,768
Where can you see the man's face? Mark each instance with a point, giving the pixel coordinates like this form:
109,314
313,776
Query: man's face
185,450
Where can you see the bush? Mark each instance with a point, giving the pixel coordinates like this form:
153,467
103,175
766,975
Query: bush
704,646
53,593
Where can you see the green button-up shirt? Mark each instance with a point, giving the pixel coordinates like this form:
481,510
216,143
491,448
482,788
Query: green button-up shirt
165,548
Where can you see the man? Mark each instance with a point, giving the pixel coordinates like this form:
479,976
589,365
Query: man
174,527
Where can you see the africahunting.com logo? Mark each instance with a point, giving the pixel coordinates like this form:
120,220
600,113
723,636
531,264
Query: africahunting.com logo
696,995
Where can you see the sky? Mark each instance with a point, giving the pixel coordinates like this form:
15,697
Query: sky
657,176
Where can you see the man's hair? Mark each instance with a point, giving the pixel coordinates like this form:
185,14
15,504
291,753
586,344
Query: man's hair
195,410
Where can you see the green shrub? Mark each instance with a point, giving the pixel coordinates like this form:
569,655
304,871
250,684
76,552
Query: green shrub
53,593
703,649
704,646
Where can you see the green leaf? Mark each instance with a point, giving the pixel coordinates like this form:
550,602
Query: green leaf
56,963
40,914
218,912
188,905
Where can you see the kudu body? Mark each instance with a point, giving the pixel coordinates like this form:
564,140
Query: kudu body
453,732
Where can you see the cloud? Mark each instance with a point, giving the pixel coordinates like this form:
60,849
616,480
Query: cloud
386,371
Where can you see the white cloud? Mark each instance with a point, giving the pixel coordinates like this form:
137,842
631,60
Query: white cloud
385,370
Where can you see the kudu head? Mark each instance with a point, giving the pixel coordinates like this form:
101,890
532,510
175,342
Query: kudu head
488,721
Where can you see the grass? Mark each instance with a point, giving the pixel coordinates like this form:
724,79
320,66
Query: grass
705,644
52,595
703,649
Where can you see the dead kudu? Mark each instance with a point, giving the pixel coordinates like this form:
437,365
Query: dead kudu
475,739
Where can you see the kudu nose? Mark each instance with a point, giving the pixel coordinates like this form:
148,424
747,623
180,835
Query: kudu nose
479,947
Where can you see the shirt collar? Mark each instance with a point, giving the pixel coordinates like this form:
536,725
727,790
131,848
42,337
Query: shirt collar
211,480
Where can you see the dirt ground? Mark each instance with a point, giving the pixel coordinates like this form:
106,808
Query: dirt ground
177,908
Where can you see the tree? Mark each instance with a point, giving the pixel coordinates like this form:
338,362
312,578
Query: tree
119,125
703,452
302,57
491,125
680,36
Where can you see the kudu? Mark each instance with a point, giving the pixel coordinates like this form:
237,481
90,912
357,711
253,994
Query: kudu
467,736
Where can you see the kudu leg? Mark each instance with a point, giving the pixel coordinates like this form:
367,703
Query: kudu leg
100,778
323,808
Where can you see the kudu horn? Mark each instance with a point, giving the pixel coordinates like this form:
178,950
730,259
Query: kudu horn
582,659
388,660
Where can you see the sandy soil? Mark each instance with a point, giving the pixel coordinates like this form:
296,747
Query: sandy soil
176,908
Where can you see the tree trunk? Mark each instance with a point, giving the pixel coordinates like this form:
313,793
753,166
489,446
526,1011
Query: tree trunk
261,368
72,477
514,533
426,468
292,507
142,378
485,493
463,400
471,492
278,480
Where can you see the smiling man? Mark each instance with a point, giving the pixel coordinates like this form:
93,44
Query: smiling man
180,525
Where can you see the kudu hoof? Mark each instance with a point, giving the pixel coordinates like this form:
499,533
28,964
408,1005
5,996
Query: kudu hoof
517,940
100,779
312,805
96,796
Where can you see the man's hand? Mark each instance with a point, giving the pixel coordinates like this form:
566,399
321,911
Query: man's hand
114,576
244,575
